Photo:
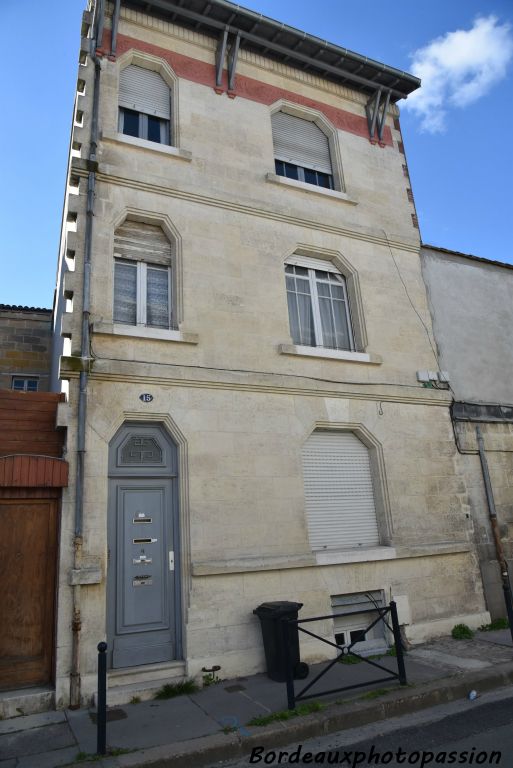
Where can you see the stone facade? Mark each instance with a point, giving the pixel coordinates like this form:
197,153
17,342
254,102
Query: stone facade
236,395
474,344
26,339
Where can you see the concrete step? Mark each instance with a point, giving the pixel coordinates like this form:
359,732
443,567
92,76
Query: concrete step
26,701
140,682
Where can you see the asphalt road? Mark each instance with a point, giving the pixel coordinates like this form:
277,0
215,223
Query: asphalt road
464,733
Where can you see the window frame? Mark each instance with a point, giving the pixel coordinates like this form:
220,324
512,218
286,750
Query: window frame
141,293
25,380
142,130
331,133
312,266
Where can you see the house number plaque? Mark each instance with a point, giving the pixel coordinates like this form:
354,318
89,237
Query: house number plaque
146,397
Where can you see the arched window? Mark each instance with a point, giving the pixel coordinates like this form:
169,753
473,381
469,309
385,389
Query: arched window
317,299
301,150
143,285
339,492
144,105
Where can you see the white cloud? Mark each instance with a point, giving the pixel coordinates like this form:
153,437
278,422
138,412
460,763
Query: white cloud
457,69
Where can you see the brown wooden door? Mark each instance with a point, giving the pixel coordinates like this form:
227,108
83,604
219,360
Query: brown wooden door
28,549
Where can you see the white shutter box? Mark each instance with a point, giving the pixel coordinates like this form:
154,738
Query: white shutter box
339,496
300,142
142,242
144,91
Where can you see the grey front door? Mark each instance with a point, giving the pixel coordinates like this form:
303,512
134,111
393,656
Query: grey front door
143,594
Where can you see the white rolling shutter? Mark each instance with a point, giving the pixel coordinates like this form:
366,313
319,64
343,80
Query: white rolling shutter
144,91
142,242
339,495
300,142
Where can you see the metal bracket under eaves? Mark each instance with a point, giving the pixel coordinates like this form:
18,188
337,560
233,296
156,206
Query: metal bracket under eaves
376,109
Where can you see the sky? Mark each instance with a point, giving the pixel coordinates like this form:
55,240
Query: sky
457,129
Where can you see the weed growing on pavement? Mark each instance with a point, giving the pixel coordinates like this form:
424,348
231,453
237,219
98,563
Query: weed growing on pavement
228,728
494,625
135,700
83,757
375,694
462,632
288,714
170,690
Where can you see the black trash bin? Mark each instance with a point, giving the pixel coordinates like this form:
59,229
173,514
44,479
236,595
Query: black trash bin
271,615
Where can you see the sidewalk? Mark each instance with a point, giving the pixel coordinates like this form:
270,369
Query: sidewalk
205,727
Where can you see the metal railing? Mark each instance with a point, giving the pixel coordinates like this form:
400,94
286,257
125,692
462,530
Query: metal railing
345,650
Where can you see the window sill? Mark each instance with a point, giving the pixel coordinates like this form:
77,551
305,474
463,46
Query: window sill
142,332
313,189
355,555
330,354
151,146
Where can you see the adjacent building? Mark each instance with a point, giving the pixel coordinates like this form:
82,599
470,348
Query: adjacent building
471,301
240,324
26,341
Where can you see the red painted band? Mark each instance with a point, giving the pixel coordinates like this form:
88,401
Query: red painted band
248,88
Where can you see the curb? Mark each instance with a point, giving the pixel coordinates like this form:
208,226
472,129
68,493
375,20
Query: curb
336,717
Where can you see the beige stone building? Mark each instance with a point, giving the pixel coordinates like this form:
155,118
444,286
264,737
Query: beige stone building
241,319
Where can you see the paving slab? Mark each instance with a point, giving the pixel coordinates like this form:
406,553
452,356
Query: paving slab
147,724
499,637
36,740
24,723
52,759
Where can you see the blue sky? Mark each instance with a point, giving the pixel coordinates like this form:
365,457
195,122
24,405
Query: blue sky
457,138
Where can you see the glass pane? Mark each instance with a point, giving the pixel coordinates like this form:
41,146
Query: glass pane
310,176
324,180
130,122
307,334
293,317
280,167
153,128
125,293
291,171
327,324
32,385
18,384
342,332
157,297
323,289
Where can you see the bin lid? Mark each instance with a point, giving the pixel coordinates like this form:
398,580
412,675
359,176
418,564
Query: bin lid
277,608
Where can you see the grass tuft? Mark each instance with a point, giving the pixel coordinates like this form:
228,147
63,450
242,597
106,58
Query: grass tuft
462,632
170,690
494,625
375,694
288,714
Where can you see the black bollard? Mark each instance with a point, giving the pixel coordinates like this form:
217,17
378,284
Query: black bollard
101,716
398,644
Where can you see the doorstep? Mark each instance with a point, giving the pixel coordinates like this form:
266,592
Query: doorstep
142,682
26,701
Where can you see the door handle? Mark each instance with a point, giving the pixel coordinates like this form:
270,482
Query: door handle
171,561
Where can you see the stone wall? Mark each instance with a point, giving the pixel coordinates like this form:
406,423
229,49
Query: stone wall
25,340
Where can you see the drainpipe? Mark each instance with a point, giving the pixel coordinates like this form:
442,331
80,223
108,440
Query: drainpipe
495,528
76,624
114,32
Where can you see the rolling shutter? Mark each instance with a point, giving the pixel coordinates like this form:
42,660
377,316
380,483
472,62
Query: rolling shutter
142,242
300,142
339,496
144,91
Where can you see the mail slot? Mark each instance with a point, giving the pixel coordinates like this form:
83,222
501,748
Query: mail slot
142,520
144,541
141,560
142,581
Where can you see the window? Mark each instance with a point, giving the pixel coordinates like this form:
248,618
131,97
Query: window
25,385
353,627
142,276
301,150
144,105
141,294
339,492
319,313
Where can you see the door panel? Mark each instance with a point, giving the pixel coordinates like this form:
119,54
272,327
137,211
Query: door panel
28,547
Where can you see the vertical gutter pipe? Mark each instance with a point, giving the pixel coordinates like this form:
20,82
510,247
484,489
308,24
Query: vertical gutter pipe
76,624
506,587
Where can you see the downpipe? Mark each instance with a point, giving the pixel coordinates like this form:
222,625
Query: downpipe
76,623
499,549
